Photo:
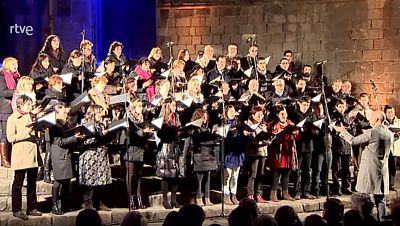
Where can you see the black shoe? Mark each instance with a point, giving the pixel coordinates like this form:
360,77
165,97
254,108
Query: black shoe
335,193
132,204
56,210
21,215
175,205
34,213
166,205
346,192
65,209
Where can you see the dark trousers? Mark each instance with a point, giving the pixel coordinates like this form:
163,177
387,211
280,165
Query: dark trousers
282,174
303,179
133,178
322,163
256,165
392,170
200,176
31,199
93,195
60,190
340,161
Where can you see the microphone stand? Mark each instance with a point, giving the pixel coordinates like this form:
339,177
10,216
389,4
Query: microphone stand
375,89
328,117
169,45
83,64
253,42
127,143
222,152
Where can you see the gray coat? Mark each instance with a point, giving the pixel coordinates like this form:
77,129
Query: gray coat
60,153
374,159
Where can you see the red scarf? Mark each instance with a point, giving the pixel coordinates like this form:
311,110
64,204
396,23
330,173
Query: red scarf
22,112
11,78
172,119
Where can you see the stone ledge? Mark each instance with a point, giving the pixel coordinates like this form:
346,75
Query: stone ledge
158,214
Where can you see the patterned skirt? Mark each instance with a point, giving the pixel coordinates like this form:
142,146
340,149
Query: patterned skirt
94,169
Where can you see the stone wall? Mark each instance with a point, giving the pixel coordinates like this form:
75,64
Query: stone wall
359,38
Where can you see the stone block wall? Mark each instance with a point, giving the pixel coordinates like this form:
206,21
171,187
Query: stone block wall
359,38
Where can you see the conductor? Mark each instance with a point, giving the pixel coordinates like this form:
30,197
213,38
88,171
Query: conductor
373,177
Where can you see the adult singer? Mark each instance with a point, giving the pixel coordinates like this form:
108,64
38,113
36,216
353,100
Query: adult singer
373,177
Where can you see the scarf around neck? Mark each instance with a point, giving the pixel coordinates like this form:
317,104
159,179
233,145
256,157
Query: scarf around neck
10,78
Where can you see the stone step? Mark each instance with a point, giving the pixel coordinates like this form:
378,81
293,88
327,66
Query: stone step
158,214
42,188
6,173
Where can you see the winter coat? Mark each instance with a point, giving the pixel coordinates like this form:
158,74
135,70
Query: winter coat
169,159
339,145
282,151
61,147
5,96
254,146
305,142
235,146
204,144
374,164
24,153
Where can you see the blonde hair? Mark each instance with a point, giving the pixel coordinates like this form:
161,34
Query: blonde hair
178,63
22,82
165,112
97,79
337,81
192,82
85,43
7,62
132,109
154,51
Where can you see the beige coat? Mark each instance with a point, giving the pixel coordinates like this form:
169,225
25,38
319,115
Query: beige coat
24,150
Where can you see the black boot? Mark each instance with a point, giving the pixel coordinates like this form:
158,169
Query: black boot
164,188
56,210
47,168
55,197
40,175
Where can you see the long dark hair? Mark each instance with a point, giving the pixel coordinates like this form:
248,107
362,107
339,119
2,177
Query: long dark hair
38,63
47,44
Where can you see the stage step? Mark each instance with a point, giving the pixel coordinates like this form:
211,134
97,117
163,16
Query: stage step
158,214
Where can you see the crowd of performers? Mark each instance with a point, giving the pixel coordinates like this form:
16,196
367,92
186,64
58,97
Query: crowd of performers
225,110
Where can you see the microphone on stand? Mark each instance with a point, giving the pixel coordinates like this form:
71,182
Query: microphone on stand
372,83
169,44
248,37
83,33
321,62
